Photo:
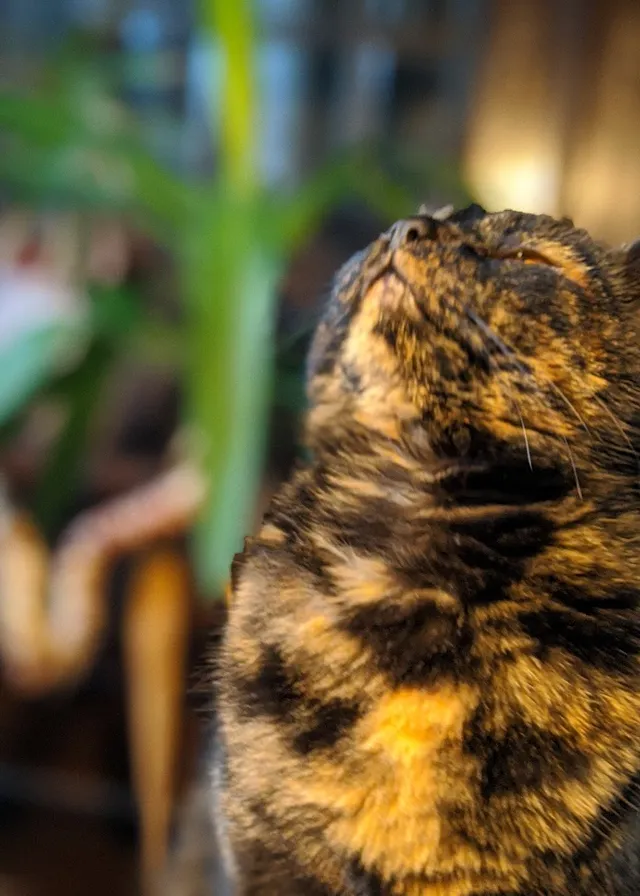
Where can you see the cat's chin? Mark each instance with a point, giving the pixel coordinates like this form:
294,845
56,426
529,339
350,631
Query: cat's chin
390,293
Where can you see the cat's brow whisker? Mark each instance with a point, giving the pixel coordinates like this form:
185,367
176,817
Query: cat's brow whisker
488,332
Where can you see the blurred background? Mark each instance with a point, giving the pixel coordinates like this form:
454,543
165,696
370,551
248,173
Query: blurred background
179,180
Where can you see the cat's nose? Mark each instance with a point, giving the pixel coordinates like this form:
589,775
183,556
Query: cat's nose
412,230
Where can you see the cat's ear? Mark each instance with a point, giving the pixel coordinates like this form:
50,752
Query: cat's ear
631,267
438,213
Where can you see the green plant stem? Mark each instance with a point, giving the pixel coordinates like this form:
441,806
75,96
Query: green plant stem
232,24
229,290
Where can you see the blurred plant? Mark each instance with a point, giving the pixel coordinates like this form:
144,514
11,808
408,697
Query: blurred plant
71,145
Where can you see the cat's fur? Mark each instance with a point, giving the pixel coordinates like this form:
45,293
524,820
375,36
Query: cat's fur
429,681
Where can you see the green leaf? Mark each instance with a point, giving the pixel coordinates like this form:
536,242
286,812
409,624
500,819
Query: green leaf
59,477
115,312
37,119
65,175
230,285
29,362
77,147
236,463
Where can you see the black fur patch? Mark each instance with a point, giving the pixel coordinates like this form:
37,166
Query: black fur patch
608,644
412,644
276,691
328,723
524,758
364,882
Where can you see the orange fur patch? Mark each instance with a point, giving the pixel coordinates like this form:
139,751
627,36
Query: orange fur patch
387,799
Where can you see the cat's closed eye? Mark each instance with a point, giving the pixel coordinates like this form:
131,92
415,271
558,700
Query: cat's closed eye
559,260
523,254
529,256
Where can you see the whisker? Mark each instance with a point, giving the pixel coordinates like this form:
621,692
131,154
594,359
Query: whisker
573,465
601,404
487,331
509,353
524,433
569,404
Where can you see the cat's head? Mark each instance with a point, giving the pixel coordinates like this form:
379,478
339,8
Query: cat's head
483,332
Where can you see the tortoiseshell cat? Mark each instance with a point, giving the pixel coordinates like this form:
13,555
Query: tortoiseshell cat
429,682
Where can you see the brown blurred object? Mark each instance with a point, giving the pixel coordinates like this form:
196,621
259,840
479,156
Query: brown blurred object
155,637
554,121
52,615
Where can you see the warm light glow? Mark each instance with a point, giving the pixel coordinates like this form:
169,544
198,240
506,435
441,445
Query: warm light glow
527,182
513,155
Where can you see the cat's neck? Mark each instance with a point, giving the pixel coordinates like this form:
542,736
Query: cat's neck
409,471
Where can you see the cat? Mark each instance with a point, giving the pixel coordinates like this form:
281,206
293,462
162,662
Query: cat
429,682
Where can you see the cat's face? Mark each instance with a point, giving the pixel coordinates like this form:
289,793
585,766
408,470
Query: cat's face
479,329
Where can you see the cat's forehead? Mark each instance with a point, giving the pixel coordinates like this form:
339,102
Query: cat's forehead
495,227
